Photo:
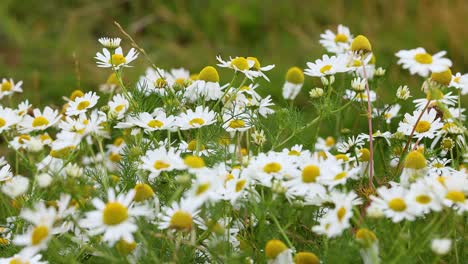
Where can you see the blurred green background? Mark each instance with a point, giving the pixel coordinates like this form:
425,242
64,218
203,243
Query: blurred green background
51,44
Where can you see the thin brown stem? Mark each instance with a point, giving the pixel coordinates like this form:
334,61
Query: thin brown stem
371,138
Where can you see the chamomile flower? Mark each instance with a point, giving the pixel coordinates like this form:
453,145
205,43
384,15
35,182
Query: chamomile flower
277,252
115,219
337,43
325,144
360,96
40,120
206,86
293,84
328,66
460,81
16,186
339,174
265,168
160,159
452,192
418,61
394,203
154,81
178,77
118,106
447,99
352,143
23,108
403,92
428,125
82,104
23,258
391,112
8,119
205,185
423,198
180,216
236,122
259,68
9,87
5,173
240,64
115,60
110,43
153,122
196,119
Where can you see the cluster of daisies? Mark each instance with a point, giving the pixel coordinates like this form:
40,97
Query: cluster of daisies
182,157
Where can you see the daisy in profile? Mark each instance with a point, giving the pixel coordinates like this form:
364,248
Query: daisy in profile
394,203
240,64
328,66
277,252
41,120
261,69
38,235
118,106
154,81
8,118
428,125
82,104
179,216
418,61
9,87
153,122
178,77
5,173
23,108
206,86
110,43
338,42
159,160
293,84
196,119
460,81
360,96
447,99
115,219
115,60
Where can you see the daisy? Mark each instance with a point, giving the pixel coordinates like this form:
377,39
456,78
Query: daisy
446,99
423,198
23,108
115,219
9,87
452,192
391,112
115,60
418,61
23,257
156,121
192,145
257,66
277,252
428,125
352,143
206,86
8,118
178,77
460,81
327,66
118,106
339,174
5,173
236,185
293,84
16,186
264,106
180,216
154,81
110,43
240,64
82,104
267,167
325,144
360,97
159,160
196,119
394,203
236,122
337,43
205,186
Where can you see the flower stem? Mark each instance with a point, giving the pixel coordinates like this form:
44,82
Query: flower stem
369,121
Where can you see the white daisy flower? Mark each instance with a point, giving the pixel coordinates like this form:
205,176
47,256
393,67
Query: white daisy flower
267,167
180,216
154,81
115,219
394,203
360,97
337,43
460,81
196,119
159,160
428,125
325,144
5,173
110,43
391,112
441,246
23,257
178,76
240,64
403,92
115,60
423,198
23,108
233,122
40,120
206,86
205,186
118,106
352,143
293,84
16,186
8,118
328,66
418,61
447,99
156,121
82,104
9,87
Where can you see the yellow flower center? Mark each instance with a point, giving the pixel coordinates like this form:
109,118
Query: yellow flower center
294,153
295,75
240,63
180,81
4,242
202,188
114,213
240,185
40,121
197,121
341,38
329,141
456,79
340,176
423,199
39,234
272,167
192,146
155,123
2,122
423,58
159,164
209,74
365,154
341,213
124,247
325,68
6,86
115,157
443,78
75,94
181,220
361,43
119,108
237,123
18,261
23,138
143,192
117,59
397,204
83,105
342,157
160,83
257,62
310,173
306,258
194,162
274,247
415,160
455,196
118,141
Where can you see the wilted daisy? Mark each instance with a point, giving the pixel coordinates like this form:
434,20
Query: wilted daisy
339,42
418,61
9,87
160,159
327,66
82,104
293,84
110,43
196,119
116,59
115,219
427,126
